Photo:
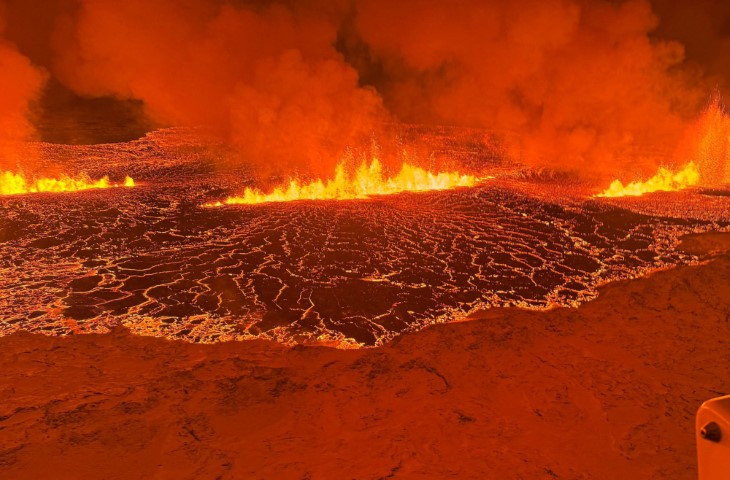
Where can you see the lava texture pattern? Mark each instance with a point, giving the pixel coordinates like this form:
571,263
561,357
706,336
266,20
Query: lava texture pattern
346,273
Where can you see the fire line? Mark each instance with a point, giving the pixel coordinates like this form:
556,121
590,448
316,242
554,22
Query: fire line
17,184
664,181
367,181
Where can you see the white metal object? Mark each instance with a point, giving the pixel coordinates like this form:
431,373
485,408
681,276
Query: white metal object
712,434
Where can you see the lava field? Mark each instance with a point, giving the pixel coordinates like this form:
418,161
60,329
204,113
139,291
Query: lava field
350,273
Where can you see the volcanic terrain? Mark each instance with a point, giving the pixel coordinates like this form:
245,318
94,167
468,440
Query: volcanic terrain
154,259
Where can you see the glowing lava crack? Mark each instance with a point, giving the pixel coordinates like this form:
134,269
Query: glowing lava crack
367,181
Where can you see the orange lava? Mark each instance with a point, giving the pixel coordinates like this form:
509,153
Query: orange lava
18,184
707,143
664,181
367,181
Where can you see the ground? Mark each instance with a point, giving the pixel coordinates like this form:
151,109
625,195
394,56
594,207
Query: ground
608,390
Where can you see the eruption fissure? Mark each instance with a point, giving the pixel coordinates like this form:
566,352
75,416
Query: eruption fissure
368,180
18,184
576,89
664,181
347,273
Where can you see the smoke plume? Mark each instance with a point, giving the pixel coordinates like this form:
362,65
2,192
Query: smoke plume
581,81
265,77
598,87
20,86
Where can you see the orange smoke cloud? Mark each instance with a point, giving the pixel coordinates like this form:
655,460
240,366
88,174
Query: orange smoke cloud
266,78
582,81
20,86
600,87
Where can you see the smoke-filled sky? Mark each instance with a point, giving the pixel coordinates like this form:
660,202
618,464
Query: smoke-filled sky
294,84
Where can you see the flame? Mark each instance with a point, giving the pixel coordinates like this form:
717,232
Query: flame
707,142
17,184
664,181
368,180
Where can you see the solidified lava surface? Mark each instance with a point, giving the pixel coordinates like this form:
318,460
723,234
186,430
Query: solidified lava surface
355,272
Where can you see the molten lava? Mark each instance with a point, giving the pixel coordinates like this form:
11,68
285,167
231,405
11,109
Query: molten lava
367,181
707,143
664,181
17,184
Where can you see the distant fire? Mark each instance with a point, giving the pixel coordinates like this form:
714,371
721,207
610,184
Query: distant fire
367,181
18,184
664,181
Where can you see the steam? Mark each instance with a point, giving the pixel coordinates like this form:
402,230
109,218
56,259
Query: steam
597,87
20,86
582,81
267,78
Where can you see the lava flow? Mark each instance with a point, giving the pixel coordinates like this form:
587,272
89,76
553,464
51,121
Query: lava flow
17,184
367,181
664,181
352,273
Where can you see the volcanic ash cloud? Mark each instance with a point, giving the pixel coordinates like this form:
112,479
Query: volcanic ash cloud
266,78
583,82
20,86
296,86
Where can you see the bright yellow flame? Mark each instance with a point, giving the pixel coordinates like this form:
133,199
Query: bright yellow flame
367,181
664,181
17,184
